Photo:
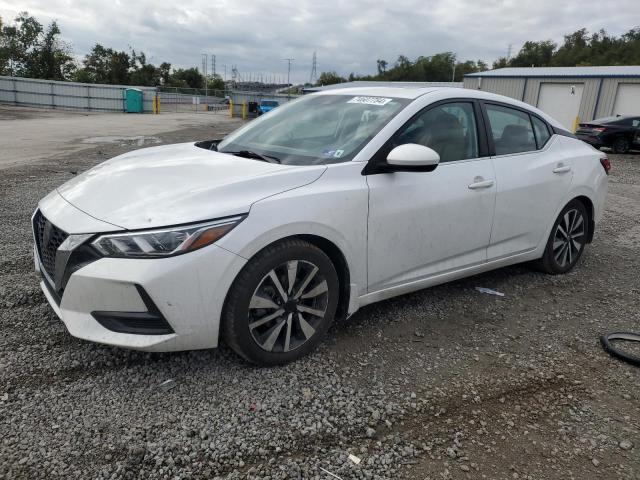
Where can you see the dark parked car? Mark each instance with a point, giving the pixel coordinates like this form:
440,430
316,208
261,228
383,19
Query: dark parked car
621,133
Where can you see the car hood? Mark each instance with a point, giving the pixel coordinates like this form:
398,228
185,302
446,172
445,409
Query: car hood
182,183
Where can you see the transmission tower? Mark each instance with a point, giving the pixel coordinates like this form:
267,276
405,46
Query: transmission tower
205,73
313,78
235,75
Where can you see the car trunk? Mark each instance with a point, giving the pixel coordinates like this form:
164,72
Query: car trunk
590,129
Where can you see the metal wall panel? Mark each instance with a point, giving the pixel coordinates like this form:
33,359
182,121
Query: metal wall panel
598,97
510,87
53,94
589,93
608,95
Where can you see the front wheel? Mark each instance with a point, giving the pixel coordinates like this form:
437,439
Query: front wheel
281,304
567,240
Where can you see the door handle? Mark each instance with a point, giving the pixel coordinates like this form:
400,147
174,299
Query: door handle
480,183
560,168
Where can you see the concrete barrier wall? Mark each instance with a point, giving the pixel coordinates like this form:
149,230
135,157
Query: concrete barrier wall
68,95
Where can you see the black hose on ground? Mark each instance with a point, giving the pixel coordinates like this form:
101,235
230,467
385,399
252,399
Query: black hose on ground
605,340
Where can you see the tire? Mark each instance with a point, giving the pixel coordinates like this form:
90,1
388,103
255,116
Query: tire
620,145
560,254
605,341
269,320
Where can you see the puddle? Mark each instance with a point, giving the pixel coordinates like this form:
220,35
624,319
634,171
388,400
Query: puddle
139,140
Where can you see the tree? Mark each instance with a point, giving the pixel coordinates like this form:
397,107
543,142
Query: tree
141,72
482,66
189,77
501,62
330,78
382,66
164,71
105,65
28,50
52,59
534,54
216,83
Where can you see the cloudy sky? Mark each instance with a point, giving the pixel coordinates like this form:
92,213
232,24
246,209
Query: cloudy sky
349,35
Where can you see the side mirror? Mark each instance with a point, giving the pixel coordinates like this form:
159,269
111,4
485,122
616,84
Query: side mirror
412,155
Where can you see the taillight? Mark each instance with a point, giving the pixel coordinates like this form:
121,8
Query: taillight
606,164
599,129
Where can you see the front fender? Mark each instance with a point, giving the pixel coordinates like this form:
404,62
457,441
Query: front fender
334,207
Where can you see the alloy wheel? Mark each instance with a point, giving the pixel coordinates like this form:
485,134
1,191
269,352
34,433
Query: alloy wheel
288,306
569,238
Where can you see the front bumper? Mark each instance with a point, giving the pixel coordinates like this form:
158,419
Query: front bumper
187,290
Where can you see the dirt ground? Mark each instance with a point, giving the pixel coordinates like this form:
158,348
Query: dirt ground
446,383
28,134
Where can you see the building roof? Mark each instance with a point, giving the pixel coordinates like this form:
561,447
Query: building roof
366,83
609,71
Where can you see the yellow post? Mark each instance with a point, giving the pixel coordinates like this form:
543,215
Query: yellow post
231,108
244,110
156,104
576,122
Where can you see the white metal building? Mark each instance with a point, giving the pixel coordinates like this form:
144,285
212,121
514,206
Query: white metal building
569,94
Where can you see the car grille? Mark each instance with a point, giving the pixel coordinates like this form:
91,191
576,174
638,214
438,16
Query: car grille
48,239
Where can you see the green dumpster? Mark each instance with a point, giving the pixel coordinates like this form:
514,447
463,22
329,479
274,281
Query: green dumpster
133,100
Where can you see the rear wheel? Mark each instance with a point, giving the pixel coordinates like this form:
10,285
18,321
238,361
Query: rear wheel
281,304
620,145
567,240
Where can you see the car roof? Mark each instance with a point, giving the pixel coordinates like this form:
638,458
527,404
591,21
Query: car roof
438,93
395,92
611,119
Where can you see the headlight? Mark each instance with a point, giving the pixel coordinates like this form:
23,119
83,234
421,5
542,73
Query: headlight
164,242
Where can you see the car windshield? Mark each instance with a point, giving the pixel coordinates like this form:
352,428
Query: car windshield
316,129
269,103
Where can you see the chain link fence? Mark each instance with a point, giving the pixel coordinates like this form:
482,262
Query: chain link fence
197,100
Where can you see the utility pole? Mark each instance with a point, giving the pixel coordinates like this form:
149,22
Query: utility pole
453,75
289,60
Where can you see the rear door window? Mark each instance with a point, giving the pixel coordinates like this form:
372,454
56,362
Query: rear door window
541,130
511,130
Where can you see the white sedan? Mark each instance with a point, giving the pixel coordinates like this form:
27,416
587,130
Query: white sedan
324,205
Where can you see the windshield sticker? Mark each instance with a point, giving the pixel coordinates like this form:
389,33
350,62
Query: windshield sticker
328,153
332,153
379,101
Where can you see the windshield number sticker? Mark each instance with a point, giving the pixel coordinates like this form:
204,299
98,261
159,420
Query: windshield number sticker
379,101
332,153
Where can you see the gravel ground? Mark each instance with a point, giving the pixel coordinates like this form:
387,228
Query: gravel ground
443,383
